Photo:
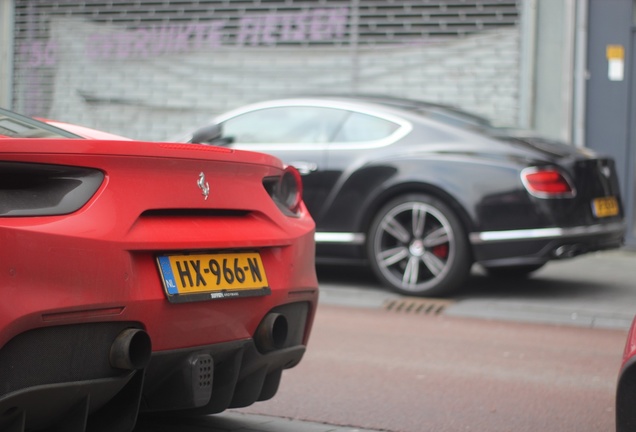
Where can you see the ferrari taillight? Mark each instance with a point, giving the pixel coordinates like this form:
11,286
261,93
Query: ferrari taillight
287,190
547,182
29,189
290,189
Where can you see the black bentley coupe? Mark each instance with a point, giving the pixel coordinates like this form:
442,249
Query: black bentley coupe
421,191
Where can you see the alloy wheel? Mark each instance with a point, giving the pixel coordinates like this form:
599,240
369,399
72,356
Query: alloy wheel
414,247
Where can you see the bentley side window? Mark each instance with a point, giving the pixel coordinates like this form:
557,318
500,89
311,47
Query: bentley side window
285,125
363,127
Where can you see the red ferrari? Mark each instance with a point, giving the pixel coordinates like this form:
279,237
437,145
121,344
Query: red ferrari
145,277
626,391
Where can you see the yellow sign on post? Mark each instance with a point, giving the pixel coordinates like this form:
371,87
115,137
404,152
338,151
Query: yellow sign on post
615,52
615,62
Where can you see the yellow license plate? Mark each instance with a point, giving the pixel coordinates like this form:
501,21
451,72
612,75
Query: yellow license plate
604,207
194,277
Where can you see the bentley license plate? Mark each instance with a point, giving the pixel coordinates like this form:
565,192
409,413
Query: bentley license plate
212,276
604,207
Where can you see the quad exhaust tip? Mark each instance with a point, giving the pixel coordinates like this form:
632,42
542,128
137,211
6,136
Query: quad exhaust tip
569,251
272,333
131,350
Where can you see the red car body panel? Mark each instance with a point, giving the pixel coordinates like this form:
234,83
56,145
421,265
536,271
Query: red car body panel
626,389
83,131
98,264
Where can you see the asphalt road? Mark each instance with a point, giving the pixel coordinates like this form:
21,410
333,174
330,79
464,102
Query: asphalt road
536,354
389,371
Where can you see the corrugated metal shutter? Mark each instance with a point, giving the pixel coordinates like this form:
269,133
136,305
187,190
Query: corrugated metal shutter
154,68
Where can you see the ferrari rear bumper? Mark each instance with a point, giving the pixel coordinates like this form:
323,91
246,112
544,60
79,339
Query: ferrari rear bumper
62,376
75,377
210,379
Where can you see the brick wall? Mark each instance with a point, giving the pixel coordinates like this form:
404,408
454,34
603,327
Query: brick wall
154,71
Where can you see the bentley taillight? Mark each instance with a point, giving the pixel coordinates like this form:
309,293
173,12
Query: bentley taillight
547,182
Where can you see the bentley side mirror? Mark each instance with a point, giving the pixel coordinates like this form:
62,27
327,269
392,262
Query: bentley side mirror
210,134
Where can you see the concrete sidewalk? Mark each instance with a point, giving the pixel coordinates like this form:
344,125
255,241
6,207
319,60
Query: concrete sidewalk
596,291
496,309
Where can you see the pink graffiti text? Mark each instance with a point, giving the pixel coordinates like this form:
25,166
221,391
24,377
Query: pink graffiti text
154,41
314,25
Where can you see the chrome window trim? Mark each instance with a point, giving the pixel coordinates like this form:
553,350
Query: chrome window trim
404,126
544,233
340,237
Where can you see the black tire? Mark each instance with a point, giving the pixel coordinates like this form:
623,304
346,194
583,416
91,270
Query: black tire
513,272
417,246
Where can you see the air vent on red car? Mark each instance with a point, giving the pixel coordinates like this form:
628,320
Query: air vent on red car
29,189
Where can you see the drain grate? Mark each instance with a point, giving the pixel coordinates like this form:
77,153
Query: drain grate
417,306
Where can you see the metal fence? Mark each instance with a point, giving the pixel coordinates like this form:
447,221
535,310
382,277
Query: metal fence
151,68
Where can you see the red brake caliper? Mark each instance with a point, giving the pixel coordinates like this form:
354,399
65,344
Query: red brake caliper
441,251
